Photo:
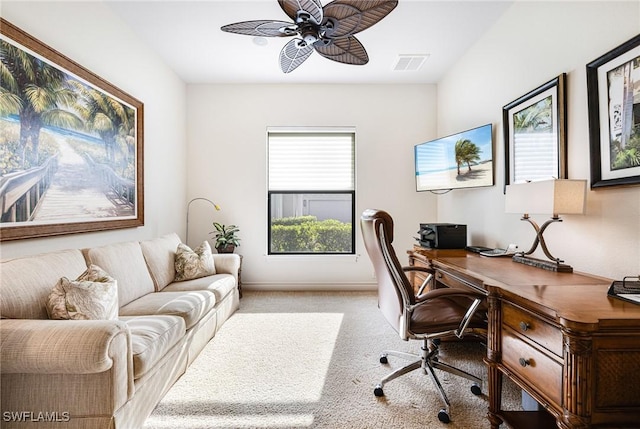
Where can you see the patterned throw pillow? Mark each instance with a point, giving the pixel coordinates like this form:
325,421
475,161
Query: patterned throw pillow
193,264
92,296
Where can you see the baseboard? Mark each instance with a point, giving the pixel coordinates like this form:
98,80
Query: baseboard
284,286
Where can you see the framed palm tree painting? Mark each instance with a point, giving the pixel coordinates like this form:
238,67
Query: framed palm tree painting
71,145
613,88
535,137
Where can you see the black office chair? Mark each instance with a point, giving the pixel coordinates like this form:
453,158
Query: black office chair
430,316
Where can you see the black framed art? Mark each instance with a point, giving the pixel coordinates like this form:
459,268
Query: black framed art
535,137
613,95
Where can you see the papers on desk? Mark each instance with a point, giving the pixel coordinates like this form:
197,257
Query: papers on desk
633,297
627,289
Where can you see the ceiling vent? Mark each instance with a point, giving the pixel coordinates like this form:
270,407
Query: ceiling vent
410,62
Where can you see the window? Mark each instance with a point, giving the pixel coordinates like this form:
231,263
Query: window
311,191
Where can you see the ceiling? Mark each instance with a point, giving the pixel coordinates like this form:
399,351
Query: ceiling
187,36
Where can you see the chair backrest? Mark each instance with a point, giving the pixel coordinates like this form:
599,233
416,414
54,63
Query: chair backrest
395,292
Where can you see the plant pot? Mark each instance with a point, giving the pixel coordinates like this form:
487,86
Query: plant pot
229,248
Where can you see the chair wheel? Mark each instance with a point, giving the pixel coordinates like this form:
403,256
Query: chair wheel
476,390
378,391
383,359
443,416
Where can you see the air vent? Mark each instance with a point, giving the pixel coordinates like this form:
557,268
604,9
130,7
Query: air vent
410,62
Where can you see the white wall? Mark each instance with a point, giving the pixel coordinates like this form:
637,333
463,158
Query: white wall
89,34
227,163
532,43
225,126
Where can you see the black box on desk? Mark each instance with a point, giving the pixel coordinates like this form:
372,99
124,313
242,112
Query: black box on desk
443,235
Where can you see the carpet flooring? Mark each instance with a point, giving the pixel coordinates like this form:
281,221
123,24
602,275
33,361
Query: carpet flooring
310,360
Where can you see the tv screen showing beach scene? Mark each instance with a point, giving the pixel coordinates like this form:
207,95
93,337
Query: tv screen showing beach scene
463,160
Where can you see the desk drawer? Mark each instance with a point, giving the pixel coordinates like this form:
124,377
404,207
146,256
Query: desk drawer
531,326
458,281
539,370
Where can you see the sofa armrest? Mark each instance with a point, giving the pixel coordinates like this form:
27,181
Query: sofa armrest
34,346
227,263
84,367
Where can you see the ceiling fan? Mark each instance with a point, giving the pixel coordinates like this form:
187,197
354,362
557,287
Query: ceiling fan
329,30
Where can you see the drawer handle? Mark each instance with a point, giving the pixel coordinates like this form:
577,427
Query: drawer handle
524,326
524,362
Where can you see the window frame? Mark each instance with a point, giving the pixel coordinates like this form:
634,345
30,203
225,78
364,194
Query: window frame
351,192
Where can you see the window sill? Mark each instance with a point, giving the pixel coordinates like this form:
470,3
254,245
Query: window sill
314,258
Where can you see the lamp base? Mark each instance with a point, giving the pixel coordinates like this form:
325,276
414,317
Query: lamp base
541,263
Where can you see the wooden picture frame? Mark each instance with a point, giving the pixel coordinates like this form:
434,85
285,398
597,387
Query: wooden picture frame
535,137
71,145
614,127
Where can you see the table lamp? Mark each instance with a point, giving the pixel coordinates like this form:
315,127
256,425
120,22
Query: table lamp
555,197
217,207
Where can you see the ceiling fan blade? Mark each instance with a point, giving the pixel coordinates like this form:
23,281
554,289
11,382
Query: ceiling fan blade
345,17
346,50
312,7
264,28
294,53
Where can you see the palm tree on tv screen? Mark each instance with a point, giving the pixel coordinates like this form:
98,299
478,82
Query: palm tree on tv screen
466,152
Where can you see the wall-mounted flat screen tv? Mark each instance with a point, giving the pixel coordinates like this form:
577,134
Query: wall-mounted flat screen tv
463,160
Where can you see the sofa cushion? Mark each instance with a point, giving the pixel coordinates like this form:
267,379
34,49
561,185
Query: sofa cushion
191,306
151,338
92,296
192,264
26,282
125,263
160,254
220,284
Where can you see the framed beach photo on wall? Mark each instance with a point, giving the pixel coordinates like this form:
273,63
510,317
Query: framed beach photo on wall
71,145
535,138
613,91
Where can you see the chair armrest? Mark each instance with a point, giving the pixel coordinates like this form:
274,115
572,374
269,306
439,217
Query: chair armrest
61,346
417,268
475,300
447,292
429,271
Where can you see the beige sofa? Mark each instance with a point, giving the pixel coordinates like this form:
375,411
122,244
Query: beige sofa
105,373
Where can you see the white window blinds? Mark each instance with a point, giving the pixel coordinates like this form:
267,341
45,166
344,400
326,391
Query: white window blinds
311,161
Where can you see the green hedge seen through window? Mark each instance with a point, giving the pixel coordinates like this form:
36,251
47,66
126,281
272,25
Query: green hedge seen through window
307,234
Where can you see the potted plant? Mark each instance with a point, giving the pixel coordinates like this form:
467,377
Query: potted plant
225,237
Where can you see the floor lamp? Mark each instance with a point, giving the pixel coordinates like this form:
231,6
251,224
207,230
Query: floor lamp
217,207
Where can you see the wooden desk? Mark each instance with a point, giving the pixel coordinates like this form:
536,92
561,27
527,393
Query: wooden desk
556,335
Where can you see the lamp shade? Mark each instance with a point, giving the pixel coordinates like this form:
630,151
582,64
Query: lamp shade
557,196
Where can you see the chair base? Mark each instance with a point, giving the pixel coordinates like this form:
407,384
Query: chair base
428,361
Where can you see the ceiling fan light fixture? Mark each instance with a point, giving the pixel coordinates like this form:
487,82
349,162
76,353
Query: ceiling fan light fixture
260,41
410,62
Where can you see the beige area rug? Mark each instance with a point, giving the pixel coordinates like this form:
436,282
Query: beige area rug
310,360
